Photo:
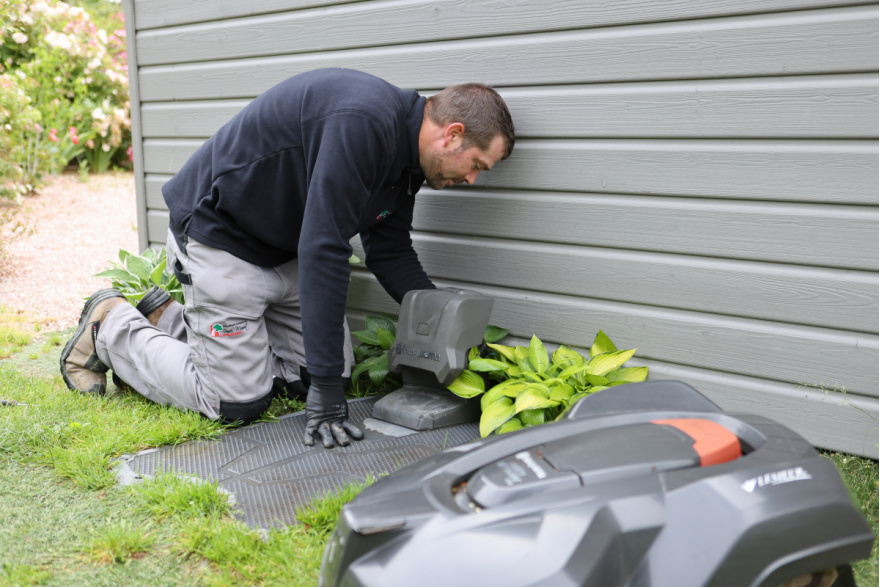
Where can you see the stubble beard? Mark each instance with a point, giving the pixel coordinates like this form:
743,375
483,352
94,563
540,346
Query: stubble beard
434,174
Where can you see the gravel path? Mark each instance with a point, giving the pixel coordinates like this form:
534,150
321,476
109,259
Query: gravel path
53,244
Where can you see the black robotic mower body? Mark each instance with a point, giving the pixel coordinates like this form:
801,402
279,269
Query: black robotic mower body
646,484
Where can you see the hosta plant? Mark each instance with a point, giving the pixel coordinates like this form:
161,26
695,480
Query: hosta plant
527,386
371,356
136,274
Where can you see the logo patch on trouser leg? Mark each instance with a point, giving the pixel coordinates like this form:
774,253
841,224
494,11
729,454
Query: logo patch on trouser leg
233,329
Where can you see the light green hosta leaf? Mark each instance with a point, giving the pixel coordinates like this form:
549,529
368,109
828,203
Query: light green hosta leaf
123,255
365,351
511,425
534,397
473,354
467,384
119,275
495,333
628,375
602,364
364,366
521,353
565,357
596,379
579,396
573,371
532,417
511,387
561,393
602,344
525,366
538,355
514,371
379,369
386,338
532,377
138,266
176,294
135,297
376,322
504,351
596,388
367,336
493,395
487,365
495,414
157,272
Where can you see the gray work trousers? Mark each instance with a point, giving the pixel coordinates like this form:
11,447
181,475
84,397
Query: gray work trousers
217,354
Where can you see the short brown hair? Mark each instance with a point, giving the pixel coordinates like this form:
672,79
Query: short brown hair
480,109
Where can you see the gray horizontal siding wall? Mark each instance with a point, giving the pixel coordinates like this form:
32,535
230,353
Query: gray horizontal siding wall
699,179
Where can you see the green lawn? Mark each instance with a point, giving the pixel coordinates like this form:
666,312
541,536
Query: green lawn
65,521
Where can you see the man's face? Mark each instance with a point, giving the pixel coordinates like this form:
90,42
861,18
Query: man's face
452,164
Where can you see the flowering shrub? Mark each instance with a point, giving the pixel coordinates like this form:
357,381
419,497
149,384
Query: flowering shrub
75,76
19,140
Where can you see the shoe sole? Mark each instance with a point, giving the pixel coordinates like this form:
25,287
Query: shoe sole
96,298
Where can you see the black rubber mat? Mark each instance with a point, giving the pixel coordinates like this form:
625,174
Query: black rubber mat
271,473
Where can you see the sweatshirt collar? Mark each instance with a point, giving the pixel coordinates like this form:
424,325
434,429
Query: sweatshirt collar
413,127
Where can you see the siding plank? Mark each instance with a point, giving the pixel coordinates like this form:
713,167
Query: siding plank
815,297
806,234
843,172
416,21
752,348
168,156
842,237
763,45
157,226
188,119
830,106
159,13
154,184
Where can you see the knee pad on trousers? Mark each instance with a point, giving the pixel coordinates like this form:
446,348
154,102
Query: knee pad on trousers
245,412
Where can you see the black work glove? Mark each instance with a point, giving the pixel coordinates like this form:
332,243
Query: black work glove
327,413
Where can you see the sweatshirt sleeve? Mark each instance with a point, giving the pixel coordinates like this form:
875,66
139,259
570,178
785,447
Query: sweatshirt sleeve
343,157
390,255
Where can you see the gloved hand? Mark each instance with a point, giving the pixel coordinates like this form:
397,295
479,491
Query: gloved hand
327,413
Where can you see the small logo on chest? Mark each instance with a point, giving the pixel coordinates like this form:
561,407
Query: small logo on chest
383,215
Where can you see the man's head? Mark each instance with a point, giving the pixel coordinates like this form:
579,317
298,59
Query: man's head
466,130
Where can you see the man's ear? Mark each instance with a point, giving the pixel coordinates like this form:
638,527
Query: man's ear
453,131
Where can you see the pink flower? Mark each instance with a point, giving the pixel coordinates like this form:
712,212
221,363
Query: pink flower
53,136
73,136
130,154
90,144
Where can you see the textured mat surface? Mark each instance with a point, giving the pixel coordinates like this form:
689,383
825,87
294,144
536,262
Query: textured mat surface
270,473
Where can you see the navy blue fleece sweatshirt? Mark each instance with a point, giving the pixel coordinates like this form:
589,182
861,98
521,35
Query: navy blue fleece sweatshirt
312,162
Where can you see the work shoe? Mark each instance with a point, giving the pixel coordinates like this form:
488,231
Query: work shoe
153,304
81,368
120,384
